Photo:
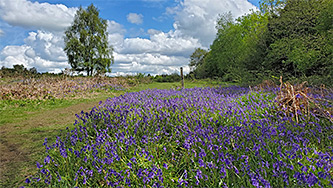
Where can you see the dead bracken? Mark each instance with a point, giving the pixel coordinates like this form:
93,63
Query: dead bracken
57,87
299,99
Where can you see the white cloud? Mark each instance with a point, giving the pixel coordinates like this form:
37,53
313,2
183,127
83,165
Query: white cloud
162,53
47,45
150,59
135,18
153,31
52,17
2,33
43,50
197,18
114,27
116,34
148,63
25,55
163,43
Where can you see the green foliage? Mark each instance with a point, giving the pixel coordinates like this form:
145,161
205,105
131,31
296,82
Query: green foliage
167,78
237,50
86,43
196,59
271,6
297,47
289,38
18,70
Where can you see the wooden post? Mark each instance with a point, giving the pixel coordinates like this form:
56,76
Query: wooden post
182,76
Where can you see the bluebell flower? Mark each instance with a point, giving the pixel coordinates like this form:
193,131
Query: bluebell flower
165,165
39,165
27,180
129,165
201,163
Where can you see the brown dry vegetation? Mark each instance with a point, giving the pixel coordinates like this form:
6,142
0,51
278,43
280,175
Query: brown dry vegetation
57,87
299,99
296,99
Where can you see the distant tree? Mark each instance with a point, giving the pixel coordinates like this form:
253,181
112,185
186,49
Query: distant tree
33,70
196,58
86,43
214,62
19,68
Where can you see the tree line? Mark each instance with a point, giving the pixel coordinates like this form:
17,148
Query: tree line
292,38
18,70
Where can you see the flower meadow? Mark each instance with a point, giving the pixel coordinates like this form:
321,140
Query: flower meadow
199,137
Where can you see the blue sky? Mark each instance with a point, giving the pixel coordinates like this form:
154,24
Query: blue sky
149,36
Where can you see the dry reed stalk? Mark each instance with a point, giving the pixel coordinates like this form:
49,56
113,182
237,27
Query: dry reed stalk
297,99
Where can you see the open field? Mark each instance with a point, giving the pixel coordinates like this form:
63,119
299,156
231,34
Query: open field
25,123
157,135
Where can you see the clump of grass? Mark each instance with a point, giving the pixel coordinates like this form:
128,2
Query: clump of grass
297,99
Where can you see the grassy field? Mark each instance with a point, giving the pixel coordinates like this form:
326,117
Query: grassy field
25,124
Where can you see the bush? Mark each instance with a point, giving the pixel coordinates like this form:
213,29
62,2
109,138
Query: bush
168,78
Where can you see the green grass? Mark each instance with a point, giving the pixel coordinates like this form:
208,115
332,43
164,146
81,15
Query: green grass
25,124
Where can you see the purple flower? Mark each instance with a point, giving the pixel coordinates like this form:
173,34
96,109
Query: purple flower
129,165
321,175
202,153
139,173
47,159
133,159
45,142
39,165
84,180
27,180
128,182
151,175
312,179
201,163
304,169
58,177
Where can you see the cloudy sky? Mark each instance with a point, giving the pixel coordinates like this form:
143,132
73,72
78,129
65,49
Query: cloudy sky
148,36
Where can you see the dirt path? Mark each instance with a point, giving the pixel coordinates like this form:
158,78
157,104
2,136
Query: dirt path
21,142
